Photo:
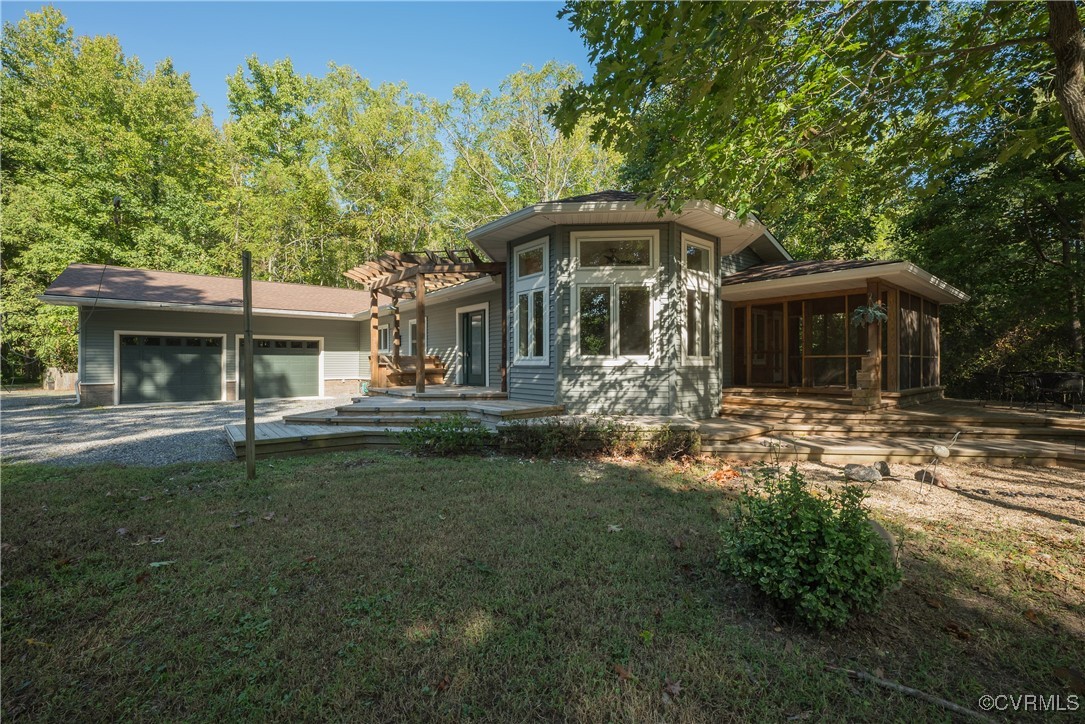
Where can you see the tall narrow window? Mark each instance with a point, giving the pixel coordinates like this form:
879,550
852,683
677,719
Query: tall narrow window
700,301
384,339
531,312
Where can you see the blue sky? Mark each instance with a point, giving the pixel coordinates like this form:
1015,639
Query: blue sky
433,46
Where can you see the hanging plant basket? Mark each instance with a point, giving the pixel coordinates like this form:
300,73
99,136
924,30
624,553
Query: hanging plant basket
861,316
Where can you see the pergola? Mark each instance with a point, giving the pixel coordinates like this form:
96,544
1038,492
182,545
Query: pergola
410,275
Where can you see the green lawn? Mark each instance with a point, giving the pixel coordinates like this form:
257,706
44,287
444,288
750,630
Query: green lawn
380,587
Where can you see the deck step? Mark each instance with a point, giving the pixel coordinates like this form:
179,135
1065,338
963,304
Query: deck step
277,438
439,392
901,450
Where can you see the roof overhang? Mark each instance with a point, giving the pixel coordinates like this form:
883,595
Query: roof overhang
704,216
901,274
202,308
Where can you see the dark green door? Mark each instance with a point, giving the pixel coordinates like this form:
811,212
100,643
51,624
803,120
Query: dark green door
284,368
168,368
473,336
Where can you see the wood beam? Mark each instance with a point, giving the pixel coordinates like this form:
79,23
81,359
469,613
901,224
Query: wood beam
374,334
397,340
420,333
434,269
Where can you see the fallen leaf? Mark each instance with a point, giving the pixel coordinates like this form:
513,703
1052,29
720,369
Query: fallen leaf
145,498
1032,616
1072,678
158,541
722,475
65,562
801,716
932,602
677,543
35,642
308,559
623,673
614,529
268,516
444,683
672,687
142,578
957,630
122,532
159,564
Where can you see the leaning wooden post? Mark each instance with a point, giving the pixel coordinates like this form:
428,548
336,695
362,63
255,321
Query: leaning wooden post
374,334
250,391
420,332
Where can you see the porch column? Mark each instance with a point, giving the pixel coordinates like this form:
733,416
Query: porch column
374,323
874,331
505,333
420,332
397,340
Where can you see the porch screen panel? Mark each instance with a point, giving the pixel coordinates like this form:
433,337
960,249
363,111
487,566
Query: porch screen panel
794,344
826,365
740,346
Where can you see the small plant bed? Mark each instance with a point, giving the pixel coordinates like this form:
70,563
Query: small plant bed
386,586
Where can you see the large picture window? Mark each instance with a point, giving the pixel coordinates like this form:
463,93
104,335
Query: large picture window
614,283
531,303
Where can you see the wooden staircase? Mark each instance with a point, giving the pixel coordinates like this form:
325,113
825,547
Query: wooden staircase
764,426
376,421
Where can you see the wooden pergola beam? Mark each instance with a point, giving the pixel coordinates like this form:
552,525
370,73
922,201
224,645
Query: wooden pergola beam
403,275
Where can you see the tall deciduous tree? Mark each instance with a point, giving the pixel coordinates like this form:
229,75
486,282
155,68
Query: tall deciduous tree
737,101
385,162
509,155
103,162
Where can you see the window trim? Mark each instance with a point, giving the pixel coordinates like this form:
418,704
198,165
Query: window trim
699,281
528,285
384,328
615,277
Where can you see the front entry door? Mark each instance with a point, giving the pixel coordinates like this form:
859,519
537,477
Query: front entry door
473,336
767,344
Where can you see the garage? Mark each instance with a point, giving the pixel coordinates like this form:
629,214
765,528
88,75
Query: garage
284,368
170,368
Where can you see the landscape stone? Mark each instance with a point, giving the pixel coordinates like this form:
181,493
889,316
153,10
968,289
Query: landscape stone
926,476
861,473
882,467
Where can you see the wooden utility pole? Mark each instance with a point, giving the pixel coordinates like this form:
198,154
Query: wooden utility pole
246,357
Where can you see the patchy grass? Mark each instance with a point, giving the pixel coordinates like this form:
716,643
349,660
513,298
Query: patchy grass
379,586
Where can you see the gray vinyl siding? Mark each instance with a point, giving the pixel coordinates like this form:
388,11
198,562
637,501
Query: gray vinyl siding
727,360
441,334
630,389
534,383
97,327
735,263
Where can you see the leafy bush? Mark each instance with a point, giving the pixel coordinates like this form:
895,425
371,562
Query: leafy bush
815,555
450,435
580,436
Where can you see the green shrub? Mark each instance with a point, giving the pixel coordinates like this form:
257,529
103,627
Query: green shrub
816,556
581,436
450,435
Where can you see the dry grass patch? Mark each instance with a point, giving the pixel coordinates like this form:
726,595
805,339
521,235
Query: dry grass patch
380,587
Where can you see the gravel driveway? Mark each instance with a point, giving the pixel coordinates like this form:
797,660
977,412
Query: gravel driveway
51,429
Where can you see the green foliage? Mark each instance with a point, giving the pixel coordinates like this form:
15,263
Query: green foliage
815,555
740,102
863,315
451,435
581,436
508,153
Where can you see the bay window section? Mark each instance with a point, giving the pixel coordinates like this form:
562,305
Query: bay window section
613,285
531,313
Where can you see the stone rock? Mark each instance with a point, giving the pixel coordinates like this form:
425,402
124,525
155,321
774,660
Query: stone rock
926,476
861,473
882,467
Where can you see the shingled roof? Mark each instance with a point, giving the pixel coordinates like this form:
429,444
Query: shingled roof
599,196
787,269
147,287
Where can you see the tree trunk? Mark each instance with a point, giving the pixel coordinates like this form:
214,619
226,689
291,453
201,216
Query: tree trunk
1068,41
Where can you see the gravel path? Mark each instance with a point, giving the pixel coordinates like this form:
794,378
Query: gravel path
51,429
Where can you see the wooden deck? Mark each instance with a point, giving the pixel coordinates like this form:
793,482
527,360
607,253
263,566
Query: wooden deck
374,422
767,426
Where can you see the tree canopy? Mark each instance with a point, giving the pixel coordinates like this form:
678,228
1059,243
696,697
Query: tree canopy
107,161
